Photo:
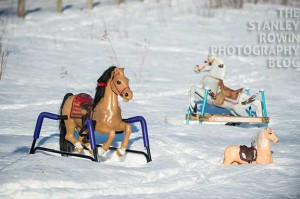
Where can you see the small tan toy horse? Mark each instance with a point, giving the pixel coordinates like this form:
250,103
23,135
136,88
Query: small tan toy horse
258,153
104,109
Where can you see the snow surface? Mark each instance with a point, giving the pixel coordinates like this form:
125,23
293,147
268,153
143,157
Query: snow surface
158,42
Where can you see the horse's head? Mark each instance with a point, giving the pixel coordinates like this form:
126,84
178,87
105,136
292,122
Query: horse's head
269,134
120,84
209,64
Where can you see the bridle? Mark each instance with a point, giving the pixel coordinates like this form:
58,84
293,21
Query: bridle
112,82
207,62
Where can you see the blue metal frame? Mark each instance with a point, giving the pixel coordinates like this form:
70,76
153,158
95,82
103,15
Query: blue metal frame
263,99
249,110
202,108
188,116
91,134
204,102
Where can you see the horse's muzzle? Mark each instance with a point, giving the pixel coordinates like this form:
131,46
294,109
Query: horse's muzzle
127,95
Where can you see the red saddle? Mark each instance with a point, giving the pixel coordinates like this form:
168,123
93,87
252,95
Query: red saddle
81,106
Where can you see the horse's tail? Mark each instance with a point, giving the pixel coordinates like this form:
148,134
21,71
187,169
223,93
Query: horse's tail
63,143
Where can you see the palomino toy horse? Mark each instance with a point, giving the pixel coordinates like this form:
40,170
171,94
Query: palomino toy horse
104,109
258,153
236,101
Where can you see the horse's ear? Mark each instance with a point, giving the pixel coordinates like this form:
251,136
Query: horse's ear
267,129
120,70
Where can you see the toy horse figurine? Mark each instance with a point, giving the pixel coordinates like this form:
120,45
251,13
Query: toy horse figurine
104,109
236,101
258,153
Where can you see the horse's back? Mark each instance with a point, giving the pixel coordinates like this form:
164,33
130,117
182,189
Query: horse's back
231,154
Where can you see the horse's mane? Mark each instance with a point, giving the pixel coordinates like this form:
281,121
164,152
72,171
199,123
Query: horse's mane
258,141
100,90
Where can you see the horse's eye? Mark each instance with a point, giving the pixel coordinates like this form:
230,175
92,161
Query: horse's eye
270,133
118,82
205,61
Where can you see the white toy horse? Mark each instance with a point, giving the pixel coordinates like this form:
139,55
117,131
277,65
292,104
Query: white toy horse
236,101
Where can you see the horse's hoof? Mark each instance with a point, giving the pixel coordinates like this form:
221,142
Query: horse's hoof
120,152
79,150
101,151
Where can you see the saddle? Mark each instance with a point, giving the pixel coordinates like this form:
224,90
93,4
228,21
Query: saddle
82,107
226,92
248,154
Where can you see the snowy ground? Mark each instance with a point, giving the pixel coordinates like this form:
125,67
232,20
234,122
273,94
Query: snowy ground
51,54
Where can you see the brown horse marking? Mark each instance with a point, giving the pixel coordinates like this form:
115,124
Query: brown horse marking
106,111
226,92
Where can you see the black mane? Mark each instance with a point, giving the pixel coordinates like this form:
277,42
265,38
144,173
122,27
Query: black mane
100,90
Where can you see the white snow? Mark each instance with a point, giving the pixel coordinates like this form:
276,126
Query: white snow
51,54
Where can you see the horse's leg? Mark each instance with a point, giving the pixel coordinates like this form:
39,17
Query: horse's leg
121,151
70,126
195,94
84,140
240,110
258,107
111,136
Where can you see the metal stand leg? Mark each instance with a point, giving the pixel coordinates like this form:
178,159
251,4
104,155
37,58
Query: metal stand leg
144,132
204,103
188,116
90,126
249,110
263,99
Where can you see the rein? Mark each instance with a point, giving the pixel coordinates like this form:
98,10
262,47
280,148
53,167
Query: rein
104,84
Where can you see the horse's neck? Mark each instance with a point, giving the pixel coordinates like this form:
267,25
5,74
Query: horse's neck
264,144
111,98
216,71
109,102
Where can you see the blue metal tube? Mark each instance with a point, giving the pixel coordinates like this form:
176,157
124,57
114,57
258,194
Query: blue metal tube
248,93
204,102
91,132
188,117
263,99
40,120
144,128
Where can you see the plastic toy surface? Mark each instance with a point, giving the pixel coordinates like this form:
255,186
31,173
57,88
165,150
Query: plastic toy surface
258,153
236,101
104,109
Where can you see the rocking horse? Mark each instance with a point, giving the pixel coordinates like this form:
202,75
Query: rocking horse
83,113
104,109
236,101
258,153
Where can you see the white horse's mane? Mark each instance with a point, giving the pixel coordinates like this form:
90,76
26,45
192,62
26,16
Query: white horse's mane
259,140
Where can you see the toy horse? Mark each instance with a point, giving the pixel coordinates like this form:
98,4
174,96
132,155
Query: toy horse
104,109
236,101
258,153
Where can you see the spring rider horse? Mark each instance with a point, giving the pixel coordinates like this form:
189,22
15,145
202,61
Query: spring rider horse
258,153
83,113
214,92
104,109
